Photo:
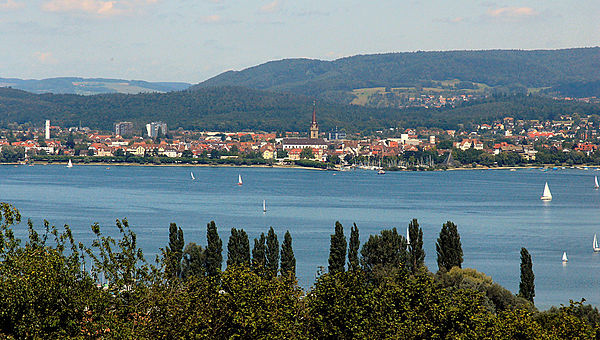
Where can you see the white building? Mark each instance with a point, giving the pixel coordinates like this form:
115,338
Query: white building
47,130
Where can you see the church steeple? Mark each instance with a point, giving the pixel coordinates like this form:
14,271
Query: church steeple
314,126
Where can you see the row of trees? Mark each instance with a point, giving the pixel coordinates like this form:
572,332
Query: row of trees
46,291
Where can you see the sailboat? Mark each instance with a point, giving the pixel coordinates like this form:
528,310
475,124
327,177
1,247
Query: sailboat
407,237
264,206
192,174
546,196
70,165
564,257
240,180
595,244
596,186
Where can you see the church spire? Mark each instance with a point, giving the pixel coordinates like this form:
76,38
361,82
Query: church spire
314,126
314,121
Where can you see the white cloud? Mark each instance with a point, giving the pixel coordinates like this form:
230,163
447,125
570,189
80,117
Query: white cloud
512,12
270,7
97,7
10,4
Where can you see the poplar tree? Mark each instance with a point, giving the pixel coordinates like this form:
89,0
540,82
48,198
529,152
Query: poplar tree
214,250
259,254
337,250
448,247
238,248
353,248
174,252
288,261
272,253
416,254
527,285
194,261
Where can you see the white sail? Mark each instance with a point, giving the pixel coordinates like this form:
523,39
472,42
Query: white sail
192,174
564,257
264,206
596,186
239,179
407,237
595,244
546,196
70,165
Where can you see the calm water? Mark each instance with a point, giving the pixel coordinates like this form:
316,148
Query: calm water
497,212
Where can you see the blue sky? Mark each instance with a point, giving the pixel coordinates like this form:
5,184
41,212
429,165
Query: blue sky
192,40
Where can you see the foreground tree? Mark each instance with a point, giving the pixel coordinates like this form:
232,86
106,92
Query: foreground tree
214,250
259,254
194,261
353,247
238,248
526,286
448,248
416,254
272,253
288,261
174,252
385,251
337,250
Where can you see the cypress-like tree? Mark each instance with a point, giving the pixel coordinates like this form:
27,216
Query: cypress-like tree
174,252
337,250
416,254
214,250
353,246
194,261
288,261
259,254
448,247
527,285
272,253
238,248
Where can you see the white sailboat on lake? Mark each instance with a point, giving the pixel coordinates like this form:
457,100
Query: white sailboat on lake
192,174
240,180
595,244
546,196
564,257
596,186
407,237
70,165
264,206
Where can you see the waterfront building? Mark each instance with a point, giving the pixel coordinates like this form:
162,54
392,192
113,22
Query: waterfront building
313,142
314,126
155,128
47,130
124,129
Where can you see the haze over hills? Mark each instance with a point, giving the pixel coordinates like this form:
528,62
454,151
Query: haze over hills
511,71
90,86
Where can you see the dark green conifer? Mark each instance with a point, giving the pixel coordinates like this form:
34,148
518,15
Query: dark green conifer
337,250
259,254
448,247
194,261
288,261
272,253
416,254
353,247
238,248
527,285
214,250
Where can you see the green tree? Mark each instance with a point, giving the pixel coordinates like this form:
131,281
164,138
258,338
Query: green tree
70,143
194,261
288,261
259,254
353,247
174,252
238,248
307,153
526,286
214,250
416,254
385,251
448,247
272,253
337,250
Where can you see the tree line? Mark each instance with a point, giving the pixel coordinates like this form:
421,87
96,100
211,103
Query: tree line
52,286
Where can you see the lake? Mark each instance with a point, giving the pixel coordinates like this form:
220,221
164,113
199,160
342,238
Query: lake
497,212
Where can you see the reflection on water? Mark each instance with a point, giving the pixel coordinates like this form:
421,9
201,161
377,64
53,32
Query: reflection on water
497,212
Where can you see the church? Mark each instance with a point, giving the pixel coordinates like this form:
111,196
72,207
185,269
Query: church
312,142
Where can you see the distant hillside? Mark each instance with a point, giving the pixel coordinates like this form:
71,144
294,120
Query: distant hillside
236,108
334,80
89,86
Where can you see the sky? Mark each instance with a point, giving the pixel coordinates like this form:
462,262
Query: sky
193,40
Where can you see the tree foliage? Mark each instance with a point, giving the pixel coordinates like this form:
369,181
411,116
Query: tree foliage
527,285
238,248
416,254
337,250
214,250
354,244
288,260
448,247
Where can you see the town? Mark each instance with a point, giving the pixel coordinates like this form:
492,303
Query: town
572,140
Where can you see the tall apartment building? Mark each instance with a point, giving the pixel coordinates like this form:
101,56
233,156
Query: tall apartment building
153,129
124,129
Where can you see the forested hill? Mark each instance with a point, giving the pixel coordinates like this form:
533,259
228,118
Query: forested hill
236,108
494,68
